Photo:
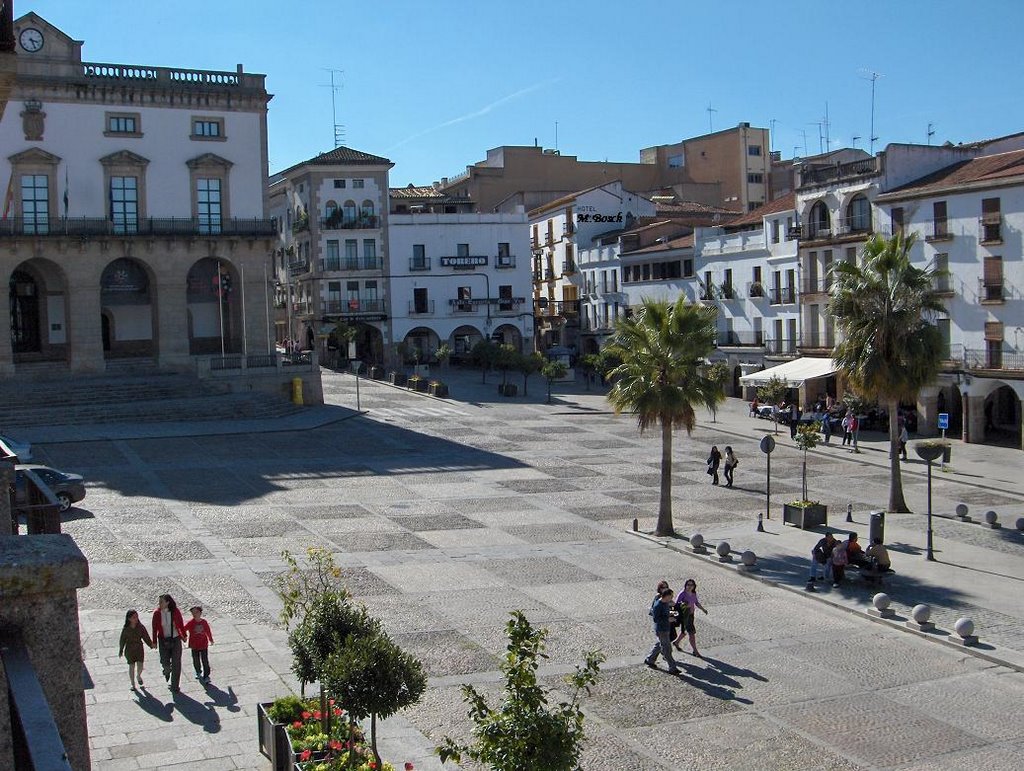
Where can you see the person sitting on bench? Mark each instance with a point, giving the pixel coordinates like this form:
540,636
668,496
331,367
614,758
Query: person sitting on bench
855,552
877,552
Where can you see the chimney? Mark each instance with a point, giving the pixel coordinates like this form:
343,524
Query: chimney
444,181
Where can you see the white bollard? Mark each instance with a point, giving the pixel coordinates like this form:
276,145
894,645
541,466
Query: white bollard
920,615
964,629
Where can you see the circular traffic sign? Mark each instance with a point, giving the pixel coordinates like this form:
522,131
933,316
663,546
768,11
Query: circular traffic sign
767,444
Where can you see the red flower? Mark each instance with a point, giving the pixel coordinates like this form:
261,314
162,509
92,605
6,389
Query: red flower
337,712
305,755
305,715
317,715
297,724
372,764
334,744
331,702
409,766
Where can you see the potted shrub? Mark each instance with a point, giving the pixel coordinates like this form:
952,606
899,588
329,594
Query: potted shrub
756,289
438,388
417,383
804,513
397,378
443,354
272,717
930,447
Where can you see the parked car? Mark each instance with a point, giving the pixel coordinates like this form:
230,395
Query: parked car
67,488
22,449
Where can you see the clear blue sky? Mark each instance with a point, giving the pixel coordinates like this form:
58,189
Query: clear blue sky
433,85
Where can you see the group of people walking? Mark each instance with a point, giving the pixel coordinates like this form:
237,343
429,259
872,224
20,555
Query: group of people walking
673,617
169,633
729,462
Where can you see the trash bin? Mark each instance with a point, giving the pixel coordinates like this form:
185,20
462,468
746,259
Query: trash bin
876,528
297,391
947,453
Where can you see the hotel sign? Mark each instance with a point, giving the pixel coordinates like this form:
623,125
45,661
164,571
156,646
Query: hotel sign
464,262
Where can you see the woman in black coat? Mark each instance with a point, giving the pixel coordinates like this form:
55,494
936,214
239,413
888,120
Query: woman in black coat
714,461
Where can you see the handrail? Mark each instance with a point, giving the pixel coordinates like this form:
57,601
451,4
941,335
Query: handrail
36,738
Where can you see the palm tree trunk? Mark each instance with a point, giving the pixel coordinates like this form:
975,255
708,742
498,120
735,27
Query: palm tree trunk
665,504
896,499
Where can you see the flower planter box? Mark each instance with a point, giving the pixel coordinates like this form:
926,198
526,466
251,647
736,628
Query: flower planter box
273,740
439,389
419,386
508,389
805,517
397,378
376,373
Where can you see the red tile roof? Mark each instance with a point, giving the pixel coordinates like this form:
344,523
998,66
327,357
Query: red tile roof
784,203
565,199
988,170
683,242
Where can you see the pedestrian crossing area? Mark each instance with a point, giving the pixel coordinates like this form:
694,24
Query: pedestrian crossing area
411,413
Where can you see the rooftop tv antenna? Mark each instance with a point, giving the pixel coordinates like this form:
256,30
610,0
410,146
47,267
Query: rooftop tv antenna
931,132
339,130
855,138
873,77
771,134
711,110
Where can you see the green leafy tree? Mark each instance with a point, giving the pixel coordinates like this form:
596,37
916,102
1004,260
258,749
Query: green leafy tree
525,733
552,371
662,377
484,354
889,349
505,357
773,392
530,364
806,439
442,354
373,678
591,364
718,373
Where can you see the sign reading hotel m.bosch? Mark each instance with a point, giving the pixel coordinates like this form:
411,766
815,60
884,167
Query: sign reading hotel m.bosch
599,217
464,262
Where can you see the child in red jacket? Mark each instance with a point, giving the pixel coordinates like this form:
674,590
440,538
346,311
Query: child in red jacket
200,638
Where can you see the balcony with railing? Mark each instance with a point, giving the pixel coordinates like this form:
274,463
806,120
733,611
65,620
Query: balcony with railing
97,227
340,222
943,285
298,265
992,358
813,176
782,295
505,261
938,230
991,291
780,346
549,308
815,286
990,228
421,308
354,305
342,265
817,339
419,263
729,339
854,226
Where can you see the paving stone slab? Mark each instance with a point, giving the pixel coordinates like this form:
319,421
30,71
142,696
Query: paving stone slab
556,532
445,653
530,571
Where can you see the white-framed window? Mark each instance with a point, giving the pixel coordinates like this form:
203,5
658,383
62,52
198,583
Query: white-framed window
209,204
753,149
35,203
339,184
123,124
124,204
357,183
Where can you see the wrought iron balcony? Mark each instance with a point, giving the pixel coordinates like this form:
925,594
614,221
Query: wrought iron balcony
782,295
57,227
421,308
340,222
354,305
419,263
939,231
729,338
992,358
505,261
780,346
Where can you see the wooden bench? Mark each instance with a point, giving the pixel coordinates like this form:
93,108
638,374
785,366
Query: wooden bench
870,572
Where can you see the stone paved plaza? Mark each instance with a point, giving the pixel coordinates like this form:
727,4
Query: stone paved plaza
448,514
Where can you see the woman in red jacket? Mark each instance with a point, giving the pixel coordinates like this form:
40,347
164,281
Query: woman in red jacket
169,633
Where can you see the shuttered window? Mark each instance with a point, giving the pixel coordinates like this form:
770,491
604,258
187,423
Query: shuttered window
994,331
993,271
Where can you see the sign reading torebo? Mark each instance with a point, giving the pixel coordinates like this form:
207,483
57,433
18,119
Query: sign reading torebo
463,262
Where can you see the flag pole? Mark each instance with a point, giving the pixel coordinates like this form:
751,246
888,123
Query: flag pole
220,307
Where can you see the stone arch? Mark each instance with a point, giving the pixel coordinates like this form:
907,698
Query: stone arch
463,339
857,214
129,306
350,211
366,209
39,313
1002,413
214,304
424,341
330,208
591,346
819,218
369,342
508,334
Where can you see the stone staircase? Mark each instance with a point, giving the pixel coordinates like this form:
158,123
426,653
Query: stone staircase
134,399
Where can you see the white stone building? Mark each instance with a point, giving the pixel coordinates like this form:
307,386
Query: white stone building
133,225
457,278
331,262
558,230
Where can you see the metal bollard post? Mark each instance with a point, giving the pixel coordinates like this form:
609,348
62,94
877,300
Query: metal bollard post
760,522
849,512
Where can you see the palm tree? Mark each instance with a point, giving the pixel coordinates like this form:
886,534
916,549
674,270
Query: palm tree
889,350
662,378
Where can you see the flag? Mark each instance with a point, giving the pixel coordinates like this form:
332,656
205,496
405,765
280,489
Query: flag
9,198
65,191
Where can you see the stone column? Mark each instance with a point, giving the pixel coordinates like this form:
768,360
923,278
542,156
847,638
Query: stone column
85,333
6,352
928,412
974,419
172,325
39,579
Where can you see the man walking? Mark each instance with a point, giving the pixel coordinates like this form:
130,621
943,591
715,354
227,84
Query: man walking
794,419
662,621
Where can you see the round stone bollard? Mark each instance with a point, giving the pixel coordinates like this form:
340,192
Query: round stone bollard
920,615
724,552
961,511
964,629
697,543
748,561
1020,524
992,520
881,602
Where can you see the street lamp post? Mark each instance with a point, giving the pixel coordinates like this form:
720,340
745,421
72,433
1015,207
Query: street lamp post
928,452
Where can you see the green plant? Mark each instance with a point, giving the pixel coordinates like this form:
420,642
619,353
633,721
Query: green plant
591,364
505,358
552,371
524,733
718,373
807,435
662,348
773,392
443,353
530,364
287,709
484,354
890,348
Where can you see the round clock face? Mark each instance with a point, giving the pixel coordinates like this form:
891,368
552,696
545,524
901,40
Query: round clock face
31,39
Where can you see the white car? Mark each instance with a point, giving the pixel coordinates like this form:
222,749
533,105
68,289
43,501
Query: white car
22,449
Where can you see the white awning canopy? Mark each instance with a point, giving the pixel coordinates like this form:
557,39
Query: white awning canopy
793,372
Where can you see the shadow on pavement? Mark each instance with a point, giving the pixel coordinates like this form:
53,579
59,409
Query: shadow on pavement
711,689
153,705
729,669
221,698
197,713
